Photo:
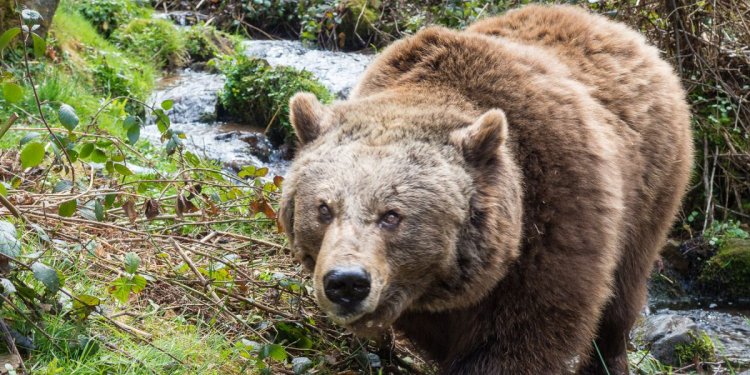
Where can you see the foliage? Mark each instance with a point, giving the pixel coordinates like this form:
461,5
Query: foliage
155,40
204,43
701,349
108,15
259,94
727,273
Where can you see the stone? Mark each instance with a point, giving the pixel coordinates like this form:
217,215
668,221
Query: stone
672,338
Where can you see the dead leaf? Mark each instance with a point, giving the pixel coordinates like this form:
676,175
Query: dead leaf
129,208
151,208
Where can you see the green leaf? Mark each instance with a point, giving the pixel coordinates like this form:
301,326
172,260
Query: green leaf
98,156
274,351
131,261
84,305
9,243
3,189
122,169
129,122
48,276
99,210
162,120
12,92
68,117
86,150
192,159
7,36
28,138
40,46
134,134
68,208
32,154
167,104
109,200
123,286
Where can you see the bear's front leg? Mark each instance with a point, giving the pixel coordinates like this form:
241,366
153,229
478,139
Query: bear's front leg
532,323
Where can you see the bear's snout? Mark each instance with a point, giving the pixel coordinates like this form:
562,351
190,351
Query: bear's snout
347,287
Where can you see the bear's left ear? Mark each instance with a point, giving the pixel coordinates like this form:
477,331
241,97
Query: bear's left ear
306,114
480,141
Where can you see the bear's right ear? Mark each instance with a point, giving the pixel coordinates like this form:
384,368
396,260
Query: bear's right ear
480,141
306,115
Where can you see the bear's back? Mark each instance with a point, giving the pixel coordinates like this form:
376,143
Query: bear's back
623,72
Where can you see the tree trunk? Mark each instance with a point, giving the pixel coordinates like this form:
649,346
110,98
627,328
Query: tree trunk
9,17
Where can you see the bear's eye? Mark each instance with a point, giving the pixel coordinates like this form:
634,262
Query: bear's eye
324,214
390,220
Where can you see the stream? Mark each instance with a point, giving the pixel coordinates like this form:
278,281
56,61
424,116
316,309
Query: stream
236,145
194,112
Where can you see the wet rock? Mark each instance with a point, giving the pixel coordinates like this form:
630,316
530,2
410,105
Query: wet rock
727,274
194,95
259,145
672,339
670,334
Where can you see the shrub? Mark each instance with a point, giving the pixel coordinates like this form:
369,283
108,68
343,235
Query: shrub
203,43
154,40
341,24
118,77
108,15
258,94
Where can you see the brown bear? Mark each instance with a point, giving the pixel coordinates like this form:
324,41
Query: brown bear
498,194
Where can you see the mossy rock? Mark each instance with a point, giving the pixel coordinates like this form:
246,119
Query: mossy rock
728,272
154,40
255,93
701,348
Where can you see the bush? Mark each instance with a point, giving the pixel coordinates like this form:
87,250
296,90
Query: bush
154,40
258,94
108,15
203,43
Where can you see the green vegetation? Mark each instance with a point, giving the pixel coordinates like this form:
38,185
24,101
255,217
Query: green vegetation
108,15
701,349
154,40
259,94
204,43
727,273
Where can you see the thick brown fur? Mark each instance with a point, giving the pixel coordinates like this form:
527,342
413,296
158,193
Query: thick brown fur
537,161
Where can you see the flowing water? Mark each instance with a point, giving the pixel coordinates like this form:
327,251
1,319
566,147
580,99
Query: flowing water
195,95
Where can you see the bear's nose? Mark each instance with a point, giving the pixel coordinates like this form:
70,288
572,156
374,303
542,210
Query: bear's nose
347,286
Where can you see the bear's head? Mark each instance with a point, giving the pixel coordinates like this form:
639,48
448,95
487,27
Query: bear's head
399,205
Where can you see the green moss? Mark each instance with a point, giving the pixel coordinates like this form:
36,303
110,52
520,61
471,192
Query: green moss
728,271
154,40
258,94
701,348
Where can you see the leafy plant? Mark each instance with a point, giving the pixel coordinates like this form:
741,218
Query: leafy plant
108,15
259,94
155,40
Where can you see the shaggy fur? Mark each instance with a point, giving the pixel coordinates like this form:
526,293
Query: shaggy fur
536,161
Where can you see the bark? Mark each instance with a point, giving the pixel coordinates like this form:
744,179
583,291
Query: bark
9,17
